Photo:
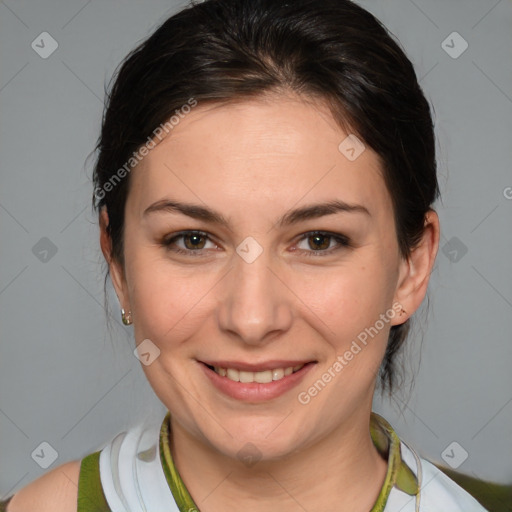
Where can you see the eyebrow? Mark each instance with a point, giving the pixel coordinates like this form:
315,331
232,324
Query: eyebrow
203,213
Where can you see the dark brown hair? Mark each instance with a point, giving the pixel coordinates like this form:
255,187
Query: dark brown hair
228,50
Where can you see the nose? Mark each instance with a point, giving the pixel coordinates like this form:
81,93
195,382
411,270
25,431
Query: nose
256,304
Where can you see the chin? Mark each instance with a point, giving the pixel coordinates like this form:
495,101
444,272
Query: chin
265,439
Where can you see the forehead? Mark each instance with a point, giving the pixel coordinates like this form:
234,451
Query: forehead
269,153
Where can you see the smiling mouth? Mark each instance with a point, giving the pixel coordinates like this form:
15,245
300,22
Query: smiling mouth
263,377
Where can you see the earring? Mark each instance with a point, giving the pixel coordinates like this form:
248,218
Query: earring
126,317
403,312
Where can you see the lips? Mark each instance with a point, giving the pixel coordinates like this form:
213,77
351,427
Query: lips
255,382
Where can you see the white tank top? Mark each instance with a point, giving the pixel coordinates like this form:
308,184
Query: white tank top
133,478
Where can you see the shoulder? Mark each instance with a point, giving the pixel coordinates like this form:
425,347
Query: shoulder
435,491
55,491
439,490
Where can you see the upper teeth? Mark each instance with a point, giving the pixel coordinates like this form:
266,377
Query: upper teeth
262,377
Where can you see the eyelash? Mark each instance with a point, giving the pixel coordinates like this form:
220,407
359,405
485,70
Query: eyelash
343,241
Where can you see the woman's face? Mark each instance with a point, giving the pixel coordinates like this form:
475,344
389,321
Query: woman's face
255,289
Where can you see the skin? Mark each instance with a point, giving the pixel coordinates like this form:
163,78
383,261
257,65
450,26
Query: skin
253,161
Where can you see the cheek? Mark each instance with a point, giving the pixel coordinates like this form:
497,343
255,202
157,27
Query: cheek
349,297
161,296
174,305
350,304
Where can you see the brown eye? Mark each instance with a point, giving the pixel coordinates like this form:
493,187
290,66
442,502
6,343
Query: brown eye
193,242
319,243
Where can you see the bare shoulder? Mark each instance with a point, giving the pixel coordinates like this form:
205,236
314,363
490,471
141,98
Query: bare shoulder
55,491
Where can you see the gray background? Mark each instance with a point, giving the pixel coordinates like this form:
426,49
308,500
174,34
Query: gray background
65,379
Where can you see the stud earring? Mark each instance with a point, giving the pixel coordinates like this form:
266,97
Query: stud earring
403,312
126,317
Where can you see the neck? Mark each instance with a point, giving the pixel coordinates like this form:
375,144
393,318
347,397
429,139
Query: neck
342,471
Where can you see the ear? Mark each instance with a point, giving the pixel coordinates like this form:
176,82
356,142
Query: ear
115,268
414,273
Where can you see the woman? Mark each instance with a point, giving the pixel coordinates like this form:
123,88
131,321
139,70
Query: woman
264,184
